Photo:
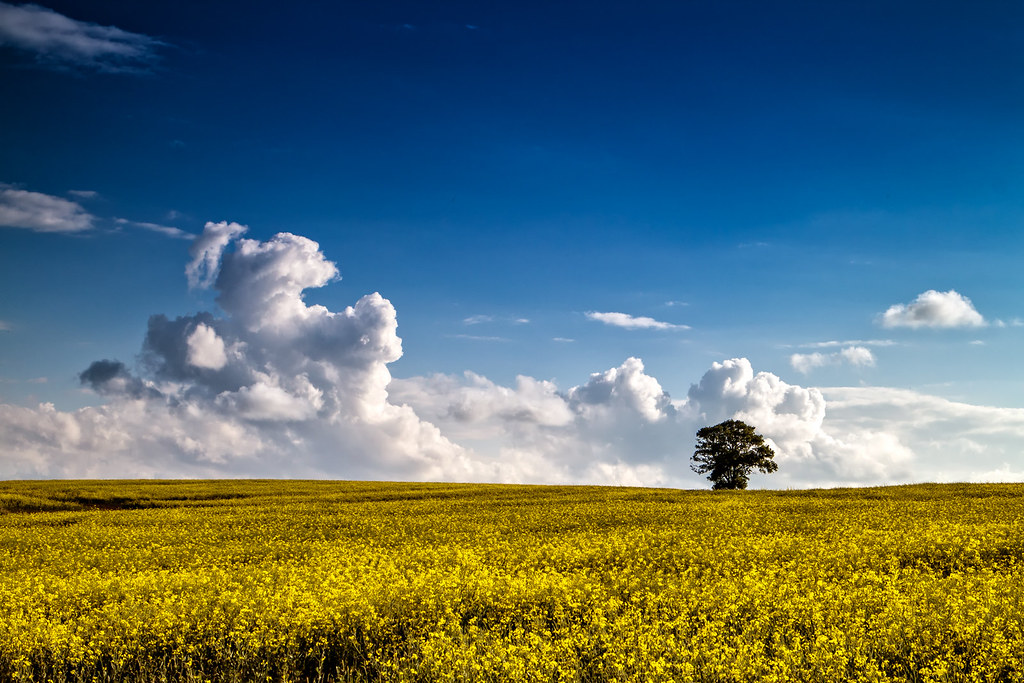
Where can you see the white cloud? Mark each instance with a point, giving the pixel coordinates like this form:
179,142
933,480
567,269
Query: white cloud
267,400
206,251
41,212
206,349
273,388
5,326
276,387
478,319
855,342
934,309
58,40
479,337
805,362
84,194
810,450
616,428
166,230
626,385
858,356
633,322
951,441
622,426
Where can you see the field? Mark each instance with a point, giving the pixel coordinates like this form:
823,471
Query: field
350,581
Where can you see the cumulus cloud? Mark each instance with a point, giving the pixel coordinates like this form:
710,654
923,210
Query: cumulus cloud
41,212
621,426
205,348
112,378
627,386
274,387
934,309
206,251
951,441
277,387
615,428
858,356
633,322
57,40
793,418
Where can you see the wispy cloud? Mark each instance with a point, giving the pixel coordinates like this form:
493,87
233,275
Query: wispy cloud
564,340
478,319
858,356
852,342
167,230
631,322
60,41
479,337
5,326
41,212
84,194
934,309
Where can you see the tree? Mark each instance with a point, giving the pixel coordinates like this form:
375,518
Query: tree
728,452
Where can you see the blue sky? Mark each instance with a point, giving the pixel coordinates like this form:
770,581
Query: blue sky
737,180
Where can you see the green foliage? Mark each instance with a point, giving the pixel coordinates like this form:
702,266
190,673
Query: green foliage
728,451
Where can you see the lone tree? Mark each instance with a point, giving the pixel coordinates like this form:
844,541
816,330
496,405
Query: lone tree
728,451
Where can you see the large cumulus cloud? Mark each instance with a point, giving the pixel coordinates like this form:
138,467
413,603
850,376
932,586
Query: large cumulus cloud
622,427
273,386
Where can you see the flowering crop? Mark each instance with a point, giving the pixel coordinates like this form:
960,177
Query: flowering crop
358,581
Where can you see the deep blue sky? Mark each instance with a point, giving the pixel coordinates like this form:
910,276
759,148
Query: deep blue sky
788,171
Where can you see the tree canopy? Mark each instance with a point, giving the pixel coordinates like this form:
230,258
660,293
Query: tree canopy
728,451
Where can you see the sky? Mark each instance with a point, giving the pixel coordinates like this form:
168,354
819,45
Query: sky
511,241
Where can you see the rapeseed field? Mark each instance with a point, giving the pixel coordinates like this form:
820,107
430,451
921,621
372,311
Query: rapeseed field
354,581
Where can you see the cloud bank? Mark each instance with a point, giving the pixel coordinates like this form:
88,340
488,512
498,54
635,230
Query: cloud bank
277,387
934,309
57,40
